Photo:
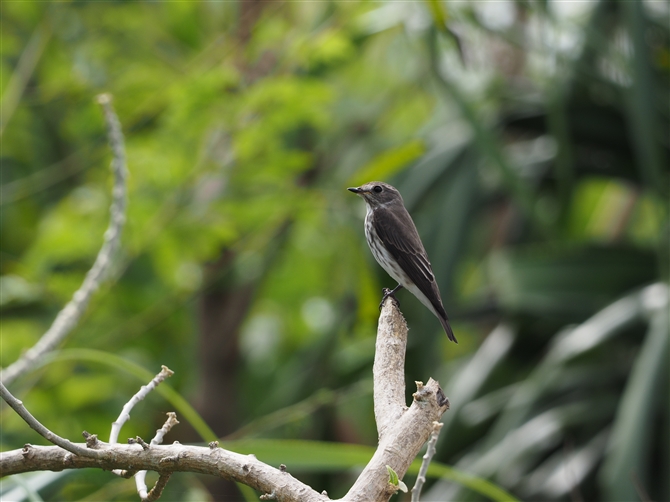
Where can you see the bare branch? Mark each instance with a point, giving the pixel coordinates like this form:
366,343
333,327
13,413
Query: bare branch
389,366
141,394
167,426
140,477
428,456
163,459
68,318
403,431
34,424
158,488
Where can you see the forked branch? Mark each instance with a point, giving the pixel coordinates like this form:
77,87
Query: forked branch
402,432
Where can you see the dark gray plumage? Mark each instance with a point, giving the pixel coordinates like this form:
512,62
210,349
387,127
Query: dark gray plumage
397,247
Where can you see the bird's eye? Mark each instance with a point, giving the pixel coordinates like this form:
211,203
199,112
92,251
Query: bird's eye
377,188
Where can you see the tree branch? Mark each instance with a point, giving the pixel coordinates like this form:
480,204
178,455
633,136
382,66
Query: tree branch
164,459
430,452
403,431
34,424
140,477
158,488
72,312
141,394
388,369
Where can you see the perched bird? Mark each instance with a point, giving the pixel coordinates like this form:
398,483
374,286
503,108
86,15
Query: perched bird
397,247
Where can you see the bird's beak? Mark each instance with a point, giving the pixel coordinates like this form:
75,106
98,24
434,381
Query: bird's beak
354,189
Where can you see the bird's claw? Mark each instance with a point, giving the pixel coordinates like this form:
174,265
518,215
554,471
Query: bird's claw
388,293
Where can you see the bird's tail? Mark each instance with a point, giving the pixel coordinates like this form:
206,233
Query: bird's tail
447,328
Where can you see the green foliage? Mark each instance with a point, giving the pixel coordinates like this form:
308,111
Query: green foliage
536,170
393,480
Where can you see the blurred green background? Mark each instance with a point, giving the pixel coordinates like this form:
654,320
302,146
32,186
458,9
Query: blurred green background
530,140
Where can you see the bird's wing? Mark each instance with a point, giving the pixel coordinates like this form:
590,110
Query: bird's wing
398,233
408,251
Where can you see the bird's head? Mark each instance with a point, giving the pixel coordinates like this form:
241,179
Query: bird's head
378,193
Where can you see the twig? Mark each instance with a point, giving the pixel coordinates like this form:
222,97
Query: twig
125,416
141,394
69,316
428,456
400,441
140,477
34,424
167,426
157,490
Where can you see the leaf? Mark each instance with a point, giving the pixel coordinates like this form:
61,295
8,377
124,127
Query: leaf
631,439
642,107
567,281
395,481
393,476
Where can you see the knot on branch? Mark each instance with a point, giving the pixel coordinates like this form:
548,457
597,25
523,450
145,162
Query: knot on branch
91,440
426,393
170,459
28,451
142,443
68,459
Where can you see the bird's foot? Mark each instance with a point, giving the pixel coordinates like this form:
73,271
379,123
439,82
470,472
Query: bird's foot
390,292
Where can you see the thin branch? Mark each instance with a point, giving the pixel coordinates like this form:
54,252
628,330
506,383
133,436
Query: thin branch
160,433
34,424
158,488
68,318
428,456
140,477
141,394
405,432
167,426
